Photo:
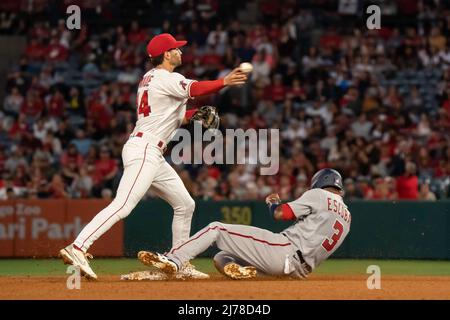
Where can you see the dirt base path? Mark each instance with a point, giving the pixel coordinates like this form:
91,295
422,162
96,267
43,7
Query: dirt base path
218,287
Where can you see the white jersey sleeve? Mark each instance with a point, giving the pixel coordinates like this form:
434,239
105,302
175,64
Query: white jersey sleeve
177,85
303,205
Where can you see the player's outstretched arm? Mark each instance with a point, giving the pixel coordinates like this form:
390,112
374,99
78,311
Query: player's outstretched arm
278,210
235,78
202,88
273,201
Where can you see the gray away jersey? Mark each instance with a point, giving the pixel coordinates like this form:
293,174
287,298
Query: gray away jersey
322,225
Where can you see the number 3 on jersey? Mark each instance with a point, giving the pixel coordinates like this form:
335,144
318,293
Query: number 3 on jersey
329,245
144,108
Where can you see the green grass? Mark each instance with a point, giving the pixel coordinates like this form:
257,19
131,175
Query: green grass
388,267
54,267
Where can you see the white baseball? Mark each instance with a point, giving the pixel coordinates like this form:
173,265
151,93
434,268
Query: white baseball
246,67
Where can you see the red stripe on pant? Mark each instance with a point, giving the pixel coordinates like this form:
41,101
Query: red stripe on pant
142,165
234,234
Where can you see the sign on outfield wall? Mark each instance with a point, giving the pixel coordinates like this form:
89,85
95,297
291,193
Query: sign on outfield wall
40,228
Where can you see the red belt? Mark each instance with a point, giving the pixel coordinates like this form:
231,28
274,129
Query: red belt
140,134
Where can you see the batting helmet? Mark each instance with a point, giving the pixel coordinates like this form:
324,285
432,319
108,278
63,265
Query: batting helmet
327,178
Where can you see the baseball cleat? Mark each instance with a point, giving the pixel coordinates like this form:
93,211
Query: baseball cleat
235,271
188,271
78,258
158,260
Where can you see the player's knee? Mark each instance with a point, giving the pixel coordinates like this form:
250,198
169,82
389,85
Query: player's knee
223,258
125,210
123,213
190,205
120,210
185,207
215,225
125,207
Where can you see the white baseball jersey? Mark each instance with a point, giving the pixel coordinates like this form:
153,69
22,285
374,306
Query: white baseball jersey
161,103
322,225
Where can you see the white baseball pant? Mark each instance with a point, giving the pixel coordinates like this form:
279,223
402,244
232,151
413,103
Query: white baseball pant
144,167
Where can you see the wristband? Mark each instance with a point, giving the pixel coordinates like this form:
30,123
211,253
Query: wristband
272,208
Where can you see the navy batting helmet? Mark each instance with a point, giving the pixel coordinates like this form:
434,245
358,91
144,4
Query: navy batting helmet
327,178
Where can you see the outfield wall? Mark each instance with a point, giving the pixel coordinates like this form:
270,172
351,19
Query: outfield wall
38,228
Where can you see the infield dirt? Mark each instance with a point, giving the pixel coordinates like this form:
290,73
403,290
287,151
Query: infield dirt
340,287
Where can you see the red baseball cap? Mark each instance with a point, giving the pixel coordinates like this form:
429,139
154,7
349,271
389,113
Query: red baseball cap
161,43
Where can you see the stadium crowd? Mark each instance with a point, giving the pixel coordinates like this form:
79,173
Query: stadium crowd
374,104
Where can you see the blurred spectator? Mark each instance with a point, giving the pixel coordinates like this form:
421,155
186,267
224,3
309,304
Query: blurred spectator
382,190
136,35
106,170
351,192
13,103
362,127
261,69
76,104
276,91
364,186
16,159
81,142
425,192
218,39
407,184
32,107
436,40
107,194
55,104
56,188
414,101
82,184
55,51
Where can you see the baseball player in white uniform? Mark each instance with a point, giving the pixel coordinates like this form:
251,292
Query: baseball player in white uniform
322,221
161,110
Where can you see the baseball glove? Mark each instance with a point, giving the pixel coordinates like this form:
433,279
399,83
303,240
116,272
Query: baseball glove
208,116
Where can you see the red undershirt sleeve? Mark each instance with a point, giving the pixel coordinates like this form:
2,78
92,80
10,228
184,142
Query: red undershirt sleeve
189,113
201,88
288,214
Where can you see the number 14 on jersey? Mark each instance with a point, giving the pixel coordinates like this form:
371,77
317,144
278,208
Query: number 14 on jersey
144,107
